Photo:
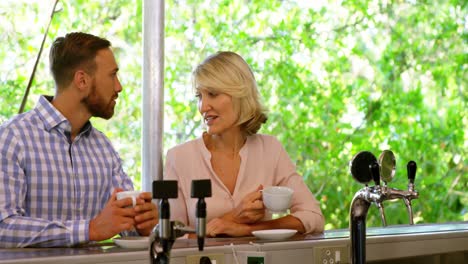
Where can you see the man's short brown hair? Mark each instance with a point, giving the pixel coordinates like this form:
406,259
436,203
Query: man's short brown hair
71,52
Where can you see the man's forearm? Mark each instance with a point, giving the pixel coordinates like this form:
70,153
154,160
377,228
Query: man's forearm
19,231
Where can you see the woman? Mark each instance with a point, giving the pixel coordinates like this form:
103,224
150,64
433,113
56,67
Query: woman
238,161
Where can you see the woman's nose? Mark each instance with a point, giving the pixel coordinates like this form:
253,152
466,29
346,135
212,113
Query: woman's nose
204,105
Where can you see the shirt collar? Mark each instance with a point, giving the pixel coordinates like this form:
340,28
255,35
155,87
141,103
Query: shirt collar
52,118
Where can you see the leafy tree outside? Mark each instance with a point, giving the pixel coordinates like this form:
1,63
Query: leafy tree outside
337,78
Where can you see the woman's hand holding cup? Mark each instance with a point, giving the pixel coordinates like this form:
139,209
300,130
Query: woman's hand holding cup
277,199
250,210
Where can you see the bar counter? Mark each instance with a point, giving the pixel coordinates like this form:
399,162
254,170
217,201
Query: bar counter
423,243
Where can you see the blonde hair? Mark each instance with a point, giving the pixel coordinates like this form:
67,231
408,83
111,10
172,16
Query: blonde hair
227,72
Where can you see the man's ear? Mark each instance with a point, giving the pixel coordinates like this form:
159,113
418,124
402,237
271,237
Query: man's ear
82,80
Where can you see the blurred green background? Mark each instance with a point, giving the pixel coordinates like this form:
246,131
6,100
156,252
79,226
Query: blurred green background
338,77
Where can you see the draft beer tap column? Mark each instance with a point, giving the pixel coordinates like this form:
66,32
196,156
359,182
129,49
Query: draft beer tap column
162,238
365,167
361,172
166,231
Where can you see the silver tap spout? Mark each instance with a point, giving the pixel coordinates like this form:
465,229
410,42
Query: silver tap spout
392,194
382,213
410,210
405,195
162,246
378,198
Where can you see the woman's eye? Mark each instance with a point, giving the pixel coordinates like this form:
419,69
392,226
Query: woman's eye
212,94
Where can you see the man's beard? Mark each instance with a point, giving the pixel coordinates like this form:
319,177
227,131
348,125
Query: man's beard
97,105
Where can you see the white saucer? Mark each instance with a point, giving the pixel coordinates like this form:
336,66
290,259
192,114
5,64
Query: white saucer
274,234
132,242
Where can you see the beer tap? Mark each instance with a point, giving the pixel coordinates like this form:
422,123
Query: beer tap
166,231
162,237
364,167
360,170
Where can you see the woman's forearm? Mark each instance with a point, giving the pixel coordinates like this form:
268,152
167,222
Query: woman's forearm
286,222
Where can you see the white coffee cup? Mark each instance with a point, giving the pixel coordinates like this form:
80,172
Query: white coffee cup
277,199
129,194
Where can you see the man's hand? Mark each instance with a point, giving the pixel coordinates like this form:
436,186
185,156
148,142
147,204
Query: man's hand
114,218
147,214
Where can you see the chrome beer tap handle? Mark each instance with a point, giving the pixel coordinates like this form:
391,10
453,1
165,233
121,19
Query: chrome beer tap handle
412,194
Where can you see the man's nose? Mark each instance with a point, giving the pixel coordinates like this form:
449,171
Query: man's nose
118,86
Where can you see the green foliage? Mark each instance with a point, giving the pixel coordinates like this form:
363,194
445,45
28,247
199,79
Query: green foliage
118,20
341,79
337,79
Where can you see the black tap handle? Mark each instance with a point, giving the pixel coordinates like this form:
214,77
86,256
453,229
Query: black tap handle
165,189
411,167
359,166
375,172
201,188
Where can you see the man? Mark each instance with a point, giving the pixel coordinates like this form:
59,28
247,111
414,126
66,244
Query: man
59,175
